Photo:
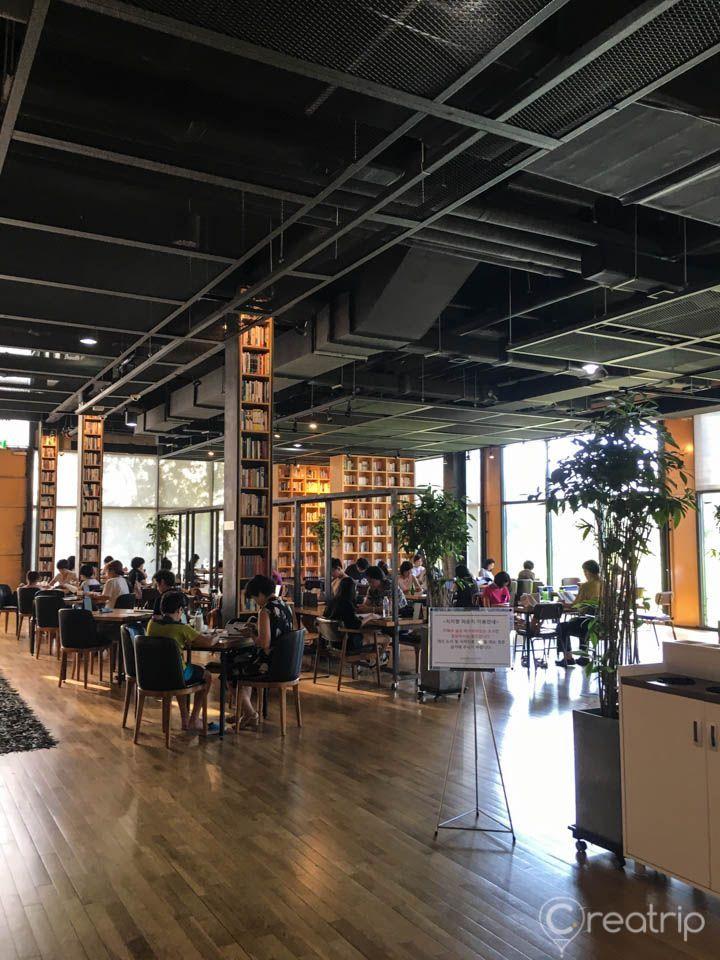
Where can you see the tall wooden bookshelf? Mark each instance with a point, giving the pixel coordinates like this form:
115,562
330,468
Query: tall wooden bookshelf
255,490
47,500
90,469
299,480
366,529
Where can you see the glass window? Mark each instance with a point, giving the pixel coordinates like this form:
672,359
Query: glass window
14,433
218,471
707,451
709,564
185,483
524,467
525,537
124,535
67,481
202,539
429,473
65,532
569,550
129,481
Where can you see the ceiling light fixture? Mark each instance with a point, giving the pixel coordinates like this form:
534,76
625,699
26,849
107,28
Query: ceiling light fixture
591,368
276,436
211,453
88,341
131,417
297,446
313,425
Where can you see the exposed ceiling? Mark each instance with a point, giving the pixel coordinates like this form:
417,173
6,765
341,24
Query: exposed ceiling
450,208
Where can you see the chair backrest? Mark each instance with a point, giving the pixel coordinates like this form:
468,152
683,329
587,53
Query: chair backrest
77,629
286,657
149,596
328,630
128,632
544,612
664,600
158,663
26,596
126,601
570,581
46,609
6,595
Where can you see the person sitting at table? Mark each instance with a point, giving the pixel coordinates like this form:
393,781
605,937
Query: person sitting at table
170,625
585,604
343,607
380,587
106,563
465,590
407,581
137,577
487,571
191,579
358,570
115,585
89,583
497,593
164,581
71,563
385,569
64,578
166,563
337,575
32,579
273,620
419,571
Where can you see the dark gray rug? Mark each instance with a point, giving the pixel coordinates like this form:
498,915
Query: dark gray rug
20,729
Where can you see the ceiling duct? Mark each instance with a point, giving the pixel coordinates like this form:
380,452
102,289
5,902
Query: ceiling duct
615,267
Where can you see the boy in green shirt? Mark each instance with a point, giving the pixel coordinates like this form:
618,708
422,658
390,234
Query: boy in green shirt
172,605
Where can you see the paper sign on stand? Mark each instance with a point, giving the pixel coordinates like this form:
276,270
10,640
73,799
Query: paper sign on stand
474,638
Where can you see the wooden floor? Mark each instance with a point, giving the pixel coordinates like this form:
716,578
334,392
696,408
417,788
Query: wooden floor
319,846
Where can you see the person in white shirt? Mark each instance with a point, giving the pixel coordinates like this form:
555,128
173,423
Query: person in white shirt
88,581
487,573
419,572
116,584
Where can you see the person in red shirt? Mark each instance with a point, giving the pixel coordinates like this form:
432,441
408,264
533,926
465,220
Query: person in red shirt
497,593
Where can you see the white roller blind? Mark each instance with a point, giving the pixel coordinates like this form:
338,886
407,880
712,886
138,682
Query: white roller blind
707,451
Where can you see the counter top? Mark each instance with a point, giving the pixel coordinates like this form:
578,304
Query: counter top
693,688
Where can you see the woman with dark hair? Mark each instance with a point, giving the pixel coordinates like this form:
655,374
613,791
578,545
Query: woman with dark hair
497,593
64,577
407,581
343,607
115,585
191,579
166,563
274,619
88,581
466,589
137,576
385,569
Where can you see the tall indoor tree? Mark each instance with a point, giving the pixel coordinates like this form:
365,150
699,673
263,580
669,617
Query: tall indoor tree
629,474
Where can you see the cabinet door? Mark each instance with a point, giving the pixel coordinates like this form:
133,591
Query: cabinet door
665,785
712,753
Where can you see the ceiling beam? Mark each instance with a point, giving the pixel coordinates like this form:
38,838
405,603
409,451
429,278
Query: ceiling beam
78,288
336,78
33,32
91,326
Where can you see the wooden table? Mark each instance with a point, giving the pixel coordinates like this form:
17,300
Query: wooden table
220,643
122,616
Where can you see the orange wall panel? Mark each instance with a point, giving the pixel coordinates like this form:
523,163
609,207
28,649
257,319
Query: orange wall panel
683,540
13,515
492,504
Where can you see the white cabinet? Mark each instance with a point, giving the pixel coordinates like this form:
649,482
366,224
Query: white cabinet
665,783
712,753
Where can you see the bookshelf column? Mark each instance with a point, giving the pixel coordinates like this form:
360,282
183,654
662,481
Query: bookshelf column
90,469
247,535
47,499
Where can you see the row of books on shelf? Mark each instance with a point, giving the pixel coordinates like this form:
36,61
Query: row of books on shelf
91,521
255,420
91,490
255,449
92,427
90,538
255,391
45,539
364,530
91,459
381,464
47,490
253,534
47,476
250,566
364,513
364,546
46,513
255,364
253,504
91,474
88,554
257,336
254,477
91,443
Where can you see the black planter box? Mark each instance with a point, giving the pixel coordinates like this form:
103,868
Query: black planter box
598,790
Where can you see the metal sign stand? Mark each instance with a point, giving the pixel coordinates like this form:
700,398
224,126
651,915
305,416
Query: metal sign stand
452,822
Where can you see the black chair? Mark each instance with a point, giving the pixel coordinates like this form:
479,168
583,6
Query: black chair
283,674
159,673
126,601
7,604
544,624
128,633
47,606
79,635
26,596
149,596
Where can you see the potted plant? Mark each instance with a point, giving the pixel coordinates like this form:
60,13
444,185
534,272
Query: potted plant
628,475
435,525
318,529
162,531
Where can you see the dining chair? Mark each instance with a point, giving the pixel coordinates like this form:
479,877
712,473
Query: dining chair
126,601
128,633
661,616
47,627
283,674
79,636
334,644
159,674
7,604
544,623
26,595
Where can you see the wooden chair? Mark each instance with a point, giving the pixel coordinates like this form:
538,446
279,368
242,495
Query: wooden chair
25,611
283,675
78,635
662,616
159,673
128,633
47,626
335,644
7,606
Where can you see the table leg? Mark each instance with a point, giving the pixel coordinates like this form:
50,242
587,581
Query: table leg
223,691
396,655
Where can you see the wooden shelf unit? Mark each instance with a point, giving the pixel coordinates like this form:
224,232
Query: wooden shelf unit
365,524
255,486
47,500
91,431
299,480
